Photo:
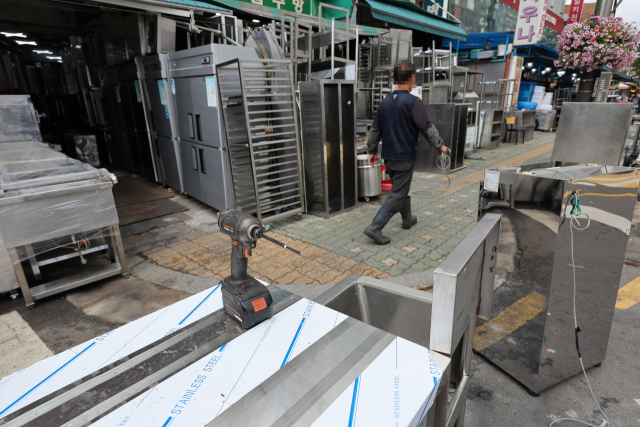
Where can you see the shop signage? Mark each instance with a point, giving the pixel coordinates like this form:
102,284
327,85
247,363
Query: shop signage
575,13
510,3
299,6
519,62
436,7
553,21
530,22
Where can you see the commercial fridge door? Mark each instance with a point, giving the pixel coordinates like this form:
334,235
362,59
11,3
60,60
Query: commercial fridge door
130,151
169,162
190,169
136,99
186,125
118,109
207,113
127,105
146,155
212,177
160,114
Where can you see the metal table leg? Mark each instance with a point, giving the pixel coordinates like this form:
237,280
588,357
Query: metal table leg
119,249
22,279
33,262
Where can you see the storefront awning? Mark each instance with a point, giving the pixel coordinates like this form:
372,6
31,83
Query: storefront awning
199,4
621,77
405,14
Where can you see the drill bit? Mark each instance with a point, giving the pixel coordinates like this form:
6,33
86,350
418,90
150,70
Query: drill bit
279,243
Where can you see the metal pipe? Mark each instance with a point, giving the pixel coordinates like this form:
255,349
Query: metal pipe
433,66
333,46
220,33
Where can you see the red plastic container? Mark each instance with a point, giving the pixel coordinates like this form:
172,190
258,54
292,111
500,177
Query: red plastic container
386,185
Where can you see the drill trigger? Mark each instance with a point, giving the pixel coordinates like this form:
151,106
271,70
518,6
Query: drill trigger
246,252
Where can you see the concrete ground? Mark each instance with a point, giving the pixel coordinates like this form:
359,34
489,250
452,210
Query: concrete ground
175,256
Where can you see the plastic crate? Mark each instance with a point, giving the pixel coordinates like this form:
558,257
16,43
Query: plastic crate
525,92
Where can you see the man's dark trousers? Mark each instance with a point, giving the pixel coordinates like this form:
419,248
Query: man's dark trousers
401,173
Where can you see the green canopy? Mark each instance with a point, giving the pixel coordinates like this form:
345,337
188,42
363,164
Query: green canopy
405,14
199,4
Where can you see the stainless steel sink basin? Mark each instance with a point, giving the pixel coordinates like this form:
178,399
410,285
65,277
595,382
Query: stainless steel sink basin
401,311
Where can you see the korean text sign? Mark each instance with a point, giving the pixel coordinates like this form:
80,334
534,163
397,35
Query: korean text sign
575,13
530,23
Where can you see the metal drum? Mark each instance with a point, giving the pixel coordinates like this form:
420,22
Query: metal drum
368,178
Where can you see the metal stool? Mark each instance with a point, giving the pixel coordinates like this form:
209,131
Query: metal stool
512,127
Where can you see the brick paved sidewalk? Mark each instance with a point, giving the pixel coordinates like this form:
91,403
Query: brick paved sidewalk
445,215
335,247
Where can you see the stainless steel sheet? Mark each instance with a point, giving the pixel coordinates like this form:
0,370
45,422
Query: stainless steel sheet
592,132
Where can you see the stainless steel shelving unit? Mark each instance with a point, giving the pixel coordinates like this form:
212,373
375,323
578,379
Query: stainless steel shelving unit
261,124
329,143
434,73
310,42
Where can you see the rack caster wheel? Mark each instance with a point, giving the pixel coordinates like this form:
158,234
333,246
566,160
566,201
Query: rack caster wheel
298,217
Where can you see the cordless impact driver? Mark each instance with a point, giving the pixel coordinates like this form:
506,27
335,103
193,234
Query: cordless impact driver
245,299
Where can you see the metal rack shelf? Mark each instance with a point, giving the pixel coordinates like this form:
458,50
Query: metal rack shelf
262,132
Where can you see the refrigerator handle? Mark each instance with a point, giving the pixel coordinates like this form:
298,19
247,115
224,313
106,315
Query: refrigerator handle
198,132
194,158
191,133
202,168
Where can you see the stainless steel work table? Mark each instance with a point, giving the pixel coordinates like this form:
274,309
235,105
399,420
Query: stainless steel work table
190,364
52,209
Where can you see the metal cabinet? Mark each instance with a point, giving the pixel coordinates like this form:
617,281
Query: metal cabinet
329,144
548,257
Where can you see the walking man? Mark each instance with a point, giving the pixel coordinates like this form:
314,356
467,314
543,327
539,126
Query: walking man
399,118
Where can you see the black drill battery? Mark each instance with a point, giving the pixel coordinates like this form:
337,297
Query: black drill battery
249,303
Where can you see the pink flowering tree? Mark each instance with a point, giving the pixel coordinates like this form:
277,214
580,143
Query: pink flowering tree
596,42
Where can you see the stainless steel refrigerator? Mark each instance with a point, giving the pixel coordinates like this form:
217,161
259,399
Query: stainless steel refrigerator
136,132
162,106
206,171
112,116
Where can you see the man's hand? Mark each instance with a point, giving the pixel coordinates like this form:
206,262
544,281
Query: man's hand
443,149
373,160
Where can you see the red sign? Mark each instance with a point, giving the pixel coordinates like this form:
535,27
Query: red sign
575,13
511,3
553,21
